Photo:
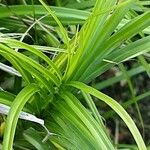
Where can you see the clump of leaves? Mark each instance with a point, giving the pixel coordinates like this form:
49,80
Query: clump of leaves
52,87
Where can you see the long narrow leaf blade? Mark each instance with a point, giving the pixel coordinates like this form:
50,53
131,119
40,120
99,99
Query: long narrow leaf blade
116,107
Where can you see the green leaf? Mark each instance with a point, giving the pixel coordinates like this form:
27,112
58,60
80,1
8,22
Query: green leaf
16,63
14,113
62,29
6,98
93,108
130,85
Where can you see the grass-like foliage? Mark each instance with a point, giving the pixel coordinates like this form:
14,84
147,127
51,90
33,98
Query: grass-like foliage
55,79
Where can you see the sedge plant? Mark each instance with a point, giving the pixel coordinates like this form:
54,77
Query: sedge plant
53,85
